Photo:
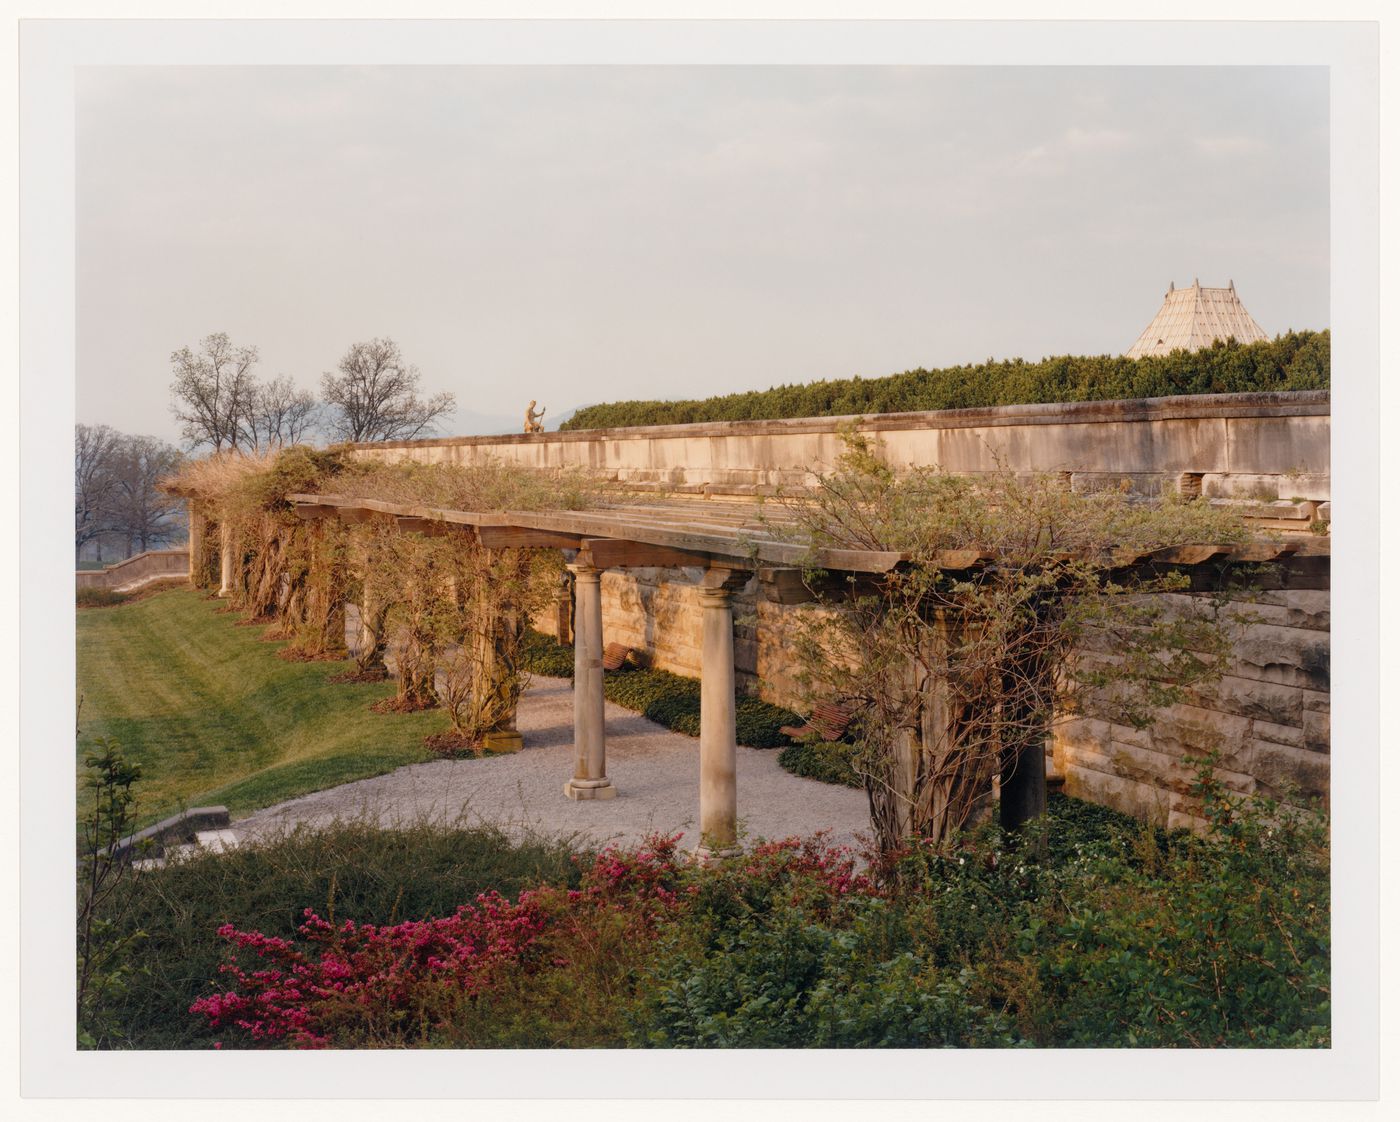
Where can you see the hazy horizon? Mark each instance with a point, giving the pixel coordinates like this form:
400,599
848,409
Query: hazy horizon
577,234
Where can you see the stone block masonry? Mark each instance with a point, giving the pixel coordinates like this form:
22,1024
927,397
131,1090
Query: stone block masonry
1267,455
1261,446
1268,717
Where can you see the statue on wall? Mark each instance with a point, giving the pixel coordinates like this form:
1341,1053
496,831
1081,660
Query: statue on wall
532,418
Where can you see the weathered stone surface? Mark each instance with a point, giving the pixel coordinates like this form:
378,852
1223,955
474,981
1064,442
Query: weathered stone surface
1255,446
1236,435
1268,701
1279,768
1141,799
1278,734
1317,730
1307,615
1270,653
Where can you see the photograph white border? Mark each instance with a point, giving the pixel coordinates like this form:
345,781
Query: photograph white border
50,1064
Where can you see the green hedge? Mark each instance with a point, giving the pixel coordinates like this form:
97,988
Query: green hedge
829,762
658,695
1299,360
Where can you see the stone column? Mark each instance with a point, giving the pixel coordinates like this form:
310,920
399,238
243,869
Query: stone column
590,779
195,516
719,809
225,558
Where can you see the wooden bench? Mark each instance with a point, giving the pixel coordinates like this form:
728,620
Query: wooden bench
828,721
616,656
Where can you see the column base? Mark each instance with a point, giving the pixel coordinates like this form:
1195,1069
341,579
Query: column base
507,740
580,789
704,855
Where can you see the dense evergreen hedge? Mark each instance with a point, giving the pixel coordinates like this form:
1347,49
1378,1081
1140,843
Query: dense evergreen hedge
1296,361
668,699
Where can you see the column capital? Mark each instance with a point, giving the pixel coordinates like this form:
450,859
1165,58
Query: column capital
719,583
583,570
715,597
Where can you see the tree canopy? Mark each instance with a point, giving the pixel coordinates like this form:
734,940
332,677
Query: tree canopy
375,396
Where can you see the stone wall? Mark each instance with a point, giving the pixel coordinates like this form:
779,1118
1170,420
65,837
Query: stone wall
1269,717
1271,447
1269,714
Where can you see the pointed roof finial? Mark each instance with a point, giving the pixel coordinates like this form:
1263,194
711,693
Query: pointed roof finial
1195,282
1232,284
1171,286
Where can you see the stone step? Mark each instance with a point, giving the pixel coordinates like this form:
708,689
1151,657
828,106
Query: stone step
147,863
180,852
216,841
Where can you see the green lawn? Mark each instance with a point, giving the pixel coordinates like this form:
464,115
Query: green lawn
213,716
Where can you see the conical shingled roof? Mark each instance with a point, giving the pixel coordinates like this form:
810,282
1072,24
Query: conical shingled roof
1195,317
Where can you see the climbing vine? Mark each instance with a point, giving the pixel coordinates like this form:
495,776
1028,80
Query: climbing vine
451,613
1011,608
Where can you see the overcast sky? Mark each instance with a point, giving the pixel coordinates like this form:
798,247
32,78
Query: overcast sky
582,234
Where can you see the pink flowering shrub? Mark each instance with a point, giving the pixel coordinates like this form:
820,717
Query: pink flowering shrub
348,984
363,977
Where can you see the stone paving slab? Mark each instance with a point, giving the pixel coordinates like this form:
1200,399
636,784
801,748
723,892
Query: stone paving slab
656,773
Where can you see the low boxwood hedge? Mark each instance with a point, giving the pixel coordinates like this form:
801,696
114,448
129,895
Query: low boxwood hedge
829,762
668,699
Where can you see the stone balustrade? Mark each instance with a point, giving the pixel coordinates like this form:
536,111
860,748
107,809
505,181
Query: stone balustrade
154,564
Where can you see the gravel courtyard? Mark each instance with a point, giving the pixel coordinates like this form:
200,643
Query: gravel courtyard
656,773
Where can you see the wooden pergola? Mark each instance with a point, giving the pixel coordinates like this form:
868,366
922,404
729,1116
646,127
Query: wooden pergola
730,543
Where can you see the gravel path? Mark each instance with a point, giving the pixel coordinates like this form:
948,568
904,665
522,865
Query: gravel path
656,773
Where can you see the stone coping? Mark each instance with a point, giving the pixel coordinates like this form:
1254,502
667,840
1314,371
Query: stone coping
1301,403
177,829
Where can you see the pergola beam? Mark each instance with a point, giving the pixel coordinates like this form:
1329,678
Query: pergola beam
615,553
429,527
524,537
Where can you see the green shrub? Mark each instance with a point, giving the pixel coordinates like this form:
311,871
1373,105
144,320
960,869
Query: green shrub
1122,936
100,598
351,870
1294,361
670,700
827,761
540,654
1117,935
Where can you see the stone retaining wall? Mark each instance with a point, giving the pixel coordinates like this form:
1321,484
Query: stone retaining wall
1269,717
1271,447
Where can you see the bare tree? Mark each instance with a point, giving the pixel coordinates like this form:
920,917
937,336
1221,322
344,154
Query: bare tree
214,393
375,396
147,516
280,414
95,451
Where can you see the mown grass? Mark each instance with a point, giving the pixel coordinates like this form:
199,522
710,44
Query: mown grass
212,715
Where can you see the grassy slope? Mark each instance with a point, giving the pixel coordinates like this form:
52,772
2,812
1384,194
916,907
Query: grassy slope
213,716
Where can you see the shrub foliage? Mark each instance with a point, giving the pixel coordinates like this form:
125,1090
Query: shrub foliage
1120,935
671,700
1296,361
